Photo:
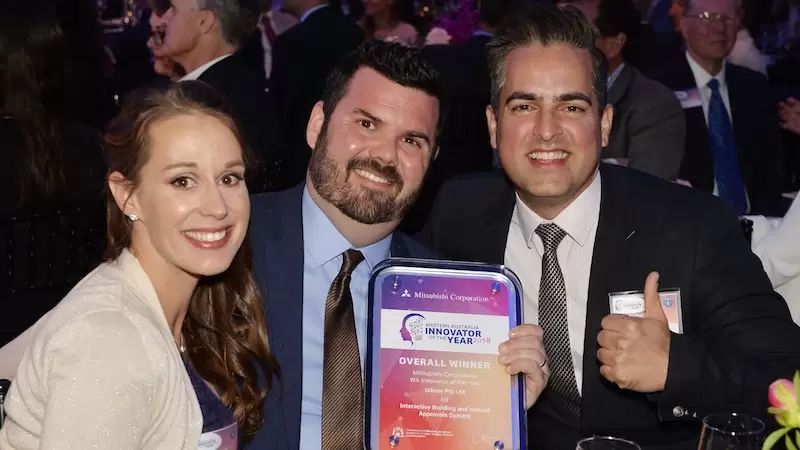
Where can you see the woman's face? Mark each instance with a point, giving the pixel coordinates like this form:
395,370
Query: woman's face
191,202
372,7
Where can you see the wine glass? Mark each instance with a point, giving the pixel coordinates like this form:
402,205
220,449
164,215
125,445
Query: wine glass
606,443
731,431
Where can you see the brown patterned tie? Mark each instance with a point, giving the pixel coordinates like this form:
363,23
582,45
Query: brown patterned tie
342,386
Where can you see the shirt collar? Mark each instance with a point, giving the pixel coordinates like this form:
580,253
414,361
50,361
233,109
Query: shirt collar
195,74
576,220
701,77
614,75
324,242
311,11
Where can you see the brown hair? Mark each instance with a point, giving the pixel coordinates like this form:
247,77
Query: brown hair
224,330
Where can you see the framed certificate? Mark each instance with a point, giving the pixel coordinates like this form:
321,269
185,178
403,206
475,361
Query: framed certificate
432,380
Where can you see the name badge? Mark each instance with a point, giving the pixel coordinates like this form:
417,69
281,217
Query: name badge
631,303
689,99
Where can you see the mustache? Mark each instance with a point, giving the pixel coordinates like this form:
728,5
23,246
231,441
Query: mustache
372,165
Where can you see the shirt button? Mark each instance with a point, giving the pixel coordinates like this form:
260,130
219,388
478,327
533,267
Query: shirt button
678,412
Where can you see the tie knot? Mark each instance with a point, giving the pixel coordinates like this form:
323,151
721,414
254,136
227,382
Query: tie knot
551,235
713,84
352,258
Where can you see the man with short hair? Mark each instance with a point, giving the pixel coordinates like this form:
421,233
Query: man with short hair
374,135
204,36
733,142
578,233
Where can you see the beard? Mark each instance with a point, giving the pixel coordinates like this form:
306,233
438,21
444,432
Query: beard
360,204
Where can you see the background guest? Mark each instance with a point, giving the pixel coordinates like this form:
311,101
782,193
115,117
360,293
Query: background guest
733,143
162,64
205,42
385,19
649,129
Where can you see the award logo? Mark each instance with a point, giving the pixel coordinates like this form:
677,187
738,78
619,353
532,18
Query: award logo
413,327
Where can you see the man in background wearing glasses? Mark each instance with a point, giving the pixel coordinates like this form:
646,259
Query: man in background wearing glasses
733,143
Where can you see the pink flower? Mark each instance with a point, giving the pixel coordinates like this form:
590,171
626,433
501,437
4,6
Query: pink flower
781,395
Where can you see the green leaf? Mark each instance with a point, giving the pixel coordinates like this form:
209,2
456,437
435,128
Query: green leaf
789,444
774,437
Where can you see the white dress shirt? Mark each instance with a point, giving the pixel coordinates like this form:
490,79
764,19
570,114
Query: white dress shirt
524,250
701,79
195,74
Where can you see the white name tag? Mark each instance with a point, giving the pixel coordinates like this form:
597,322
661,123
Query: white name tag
631,303
689,99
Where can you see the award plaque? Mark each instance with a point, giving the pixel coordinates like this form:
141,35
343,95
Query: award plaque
433,381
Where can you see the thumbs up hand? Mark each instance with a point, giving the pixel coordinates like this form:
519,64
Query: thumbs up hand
634,352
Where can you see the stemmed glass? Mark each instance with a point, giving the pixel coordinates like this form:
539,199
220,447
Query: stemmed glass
731,431
606,443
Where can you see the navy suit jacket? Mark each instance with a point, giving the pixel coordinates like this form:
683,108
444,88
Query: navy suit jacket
276,232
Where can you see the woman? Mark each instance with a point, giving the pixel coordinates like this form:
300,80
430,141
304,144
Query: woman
383,20
166,340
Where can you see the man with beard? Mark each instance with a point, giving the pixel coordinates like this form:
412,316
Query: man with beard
374,135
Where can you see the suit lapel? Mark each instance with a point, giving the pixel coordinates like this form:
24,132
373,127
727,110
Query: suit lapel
697,165
284,268
399,249
491,232
739,109
616,231
620,86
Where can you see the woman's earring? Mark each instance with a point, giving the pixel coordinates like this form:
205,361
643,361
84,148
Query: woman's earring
133,217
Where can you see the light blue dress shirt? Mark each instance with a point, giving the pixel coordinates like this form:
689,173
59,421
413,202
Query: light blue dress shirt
322,254
614,75
310,11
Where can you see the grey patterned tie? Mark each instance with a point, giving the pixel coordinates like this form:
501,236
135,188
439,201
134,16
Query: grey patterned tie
553,320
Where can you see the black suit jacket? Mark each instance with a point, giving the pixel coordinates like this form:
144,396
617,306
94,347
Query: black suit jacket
301,60
252,51
738,334
255,114
277,242
755,126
